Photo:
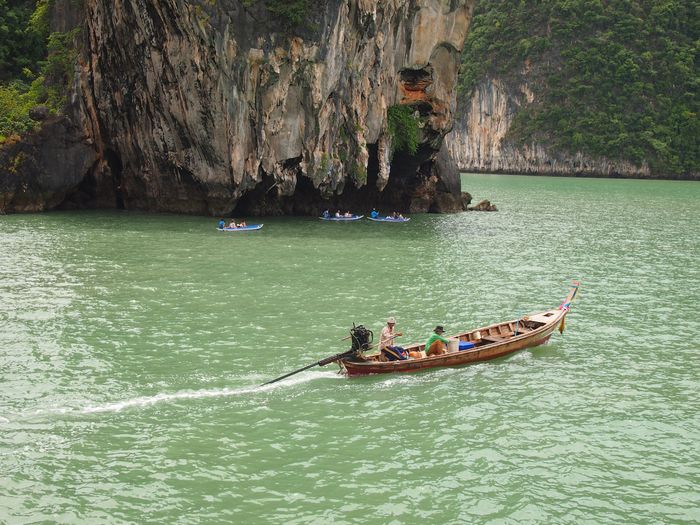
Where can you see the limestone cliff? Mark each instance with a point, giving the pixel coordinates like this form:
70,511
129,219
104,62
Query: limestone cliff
480,140
210,106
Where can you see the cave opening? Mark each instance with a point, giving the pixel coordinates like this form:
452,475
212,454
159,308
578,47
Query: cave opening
114,162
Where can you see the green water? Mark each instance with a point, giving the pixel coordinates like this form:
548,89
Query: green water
131,346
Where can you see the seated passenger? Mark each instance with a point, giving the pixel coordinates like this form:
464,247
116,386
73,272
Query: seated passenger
222,224
436,344
348,214
326,214
374,214
232,224
337,214
242,224
395,353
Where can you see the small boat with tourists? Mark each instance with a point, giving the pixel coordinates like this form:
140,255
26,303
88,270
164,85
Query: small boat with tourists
473,346
389,218
342,218
248,228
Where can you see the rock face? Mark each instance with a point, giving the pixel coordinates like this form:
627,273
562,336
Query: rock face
213,106
479,141
38,172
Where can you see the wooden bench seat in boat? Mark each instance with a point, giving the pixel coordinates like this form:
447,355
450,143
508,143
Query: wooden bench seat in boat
493,338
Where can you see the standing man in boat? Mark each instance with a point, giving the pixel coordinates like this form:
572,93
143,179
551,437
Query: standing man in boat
436,344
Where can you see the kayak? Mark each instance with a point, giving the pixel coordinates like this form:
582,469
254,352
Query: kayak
248,228
342,219
389,219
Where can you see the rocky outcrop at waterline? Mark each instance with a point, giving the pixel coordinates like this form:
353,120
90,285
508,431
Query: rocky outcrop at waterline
208,107
484,205
480,142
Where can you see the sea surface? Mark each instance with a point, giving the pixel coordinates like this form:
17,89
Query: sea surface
132,347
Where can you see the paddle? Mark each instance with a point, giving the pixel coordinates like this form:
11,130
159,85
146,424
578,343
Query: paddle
361,341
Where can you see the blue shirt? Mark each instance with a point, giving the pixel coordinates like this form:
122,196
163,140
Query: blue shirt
374,214
222,224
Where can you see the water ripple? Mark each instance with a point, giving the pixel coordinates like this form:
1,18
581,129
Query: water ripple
133,344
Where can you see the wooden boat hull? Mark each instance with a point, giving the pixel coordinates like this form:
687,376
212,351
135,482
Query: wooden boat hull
491,341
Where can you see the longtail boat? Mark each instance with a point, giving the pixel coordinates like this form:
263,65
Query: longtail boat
485,343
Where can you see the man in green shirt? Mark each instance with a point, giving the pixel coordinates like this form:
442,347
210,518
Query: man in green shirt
436,344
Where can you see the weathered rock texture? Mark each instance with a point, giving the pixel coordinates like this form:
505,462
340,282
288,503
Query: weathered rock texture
480,142
205,106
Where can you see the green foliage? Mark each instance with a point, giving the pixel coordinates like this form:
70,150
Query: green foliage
403,128
39,20
295,11
25,89
21,46
16,99
614,78
359,172
292,13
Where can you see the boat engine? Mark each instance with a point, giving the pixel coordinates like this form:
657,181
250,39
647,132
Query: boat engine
361,338
361,342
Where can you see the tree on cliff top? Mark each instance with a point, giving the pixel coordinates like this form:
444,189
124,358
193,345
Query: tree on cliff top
35,68
21,46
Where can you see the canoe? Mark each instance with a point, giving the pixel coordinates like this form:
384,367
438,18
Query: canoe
489,342
341,219
389,219
250,227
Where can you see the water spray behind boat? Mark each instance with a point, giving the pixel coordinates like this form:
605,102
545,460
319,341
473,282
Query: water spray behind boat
361,341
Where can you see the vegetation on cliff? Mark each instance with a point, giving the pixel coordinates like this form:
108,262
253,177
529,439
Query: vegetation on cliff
617,79
36,64
403,128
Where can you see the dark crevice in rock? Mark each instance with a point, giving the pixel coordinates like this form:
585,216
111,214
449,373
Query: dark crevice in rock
115,167
416,79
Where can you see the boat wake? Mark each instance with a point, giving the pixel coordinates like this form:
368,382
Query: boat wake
146,401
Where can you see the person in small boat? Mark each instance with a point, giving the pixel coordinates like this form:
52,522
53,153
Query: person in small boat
348,215
326,214
386,342
374,213
232,224
338,215
242,224
436,343
222,224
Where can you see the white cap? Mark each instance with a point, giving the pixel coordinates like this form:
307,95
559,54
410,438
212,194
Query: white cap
391,320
